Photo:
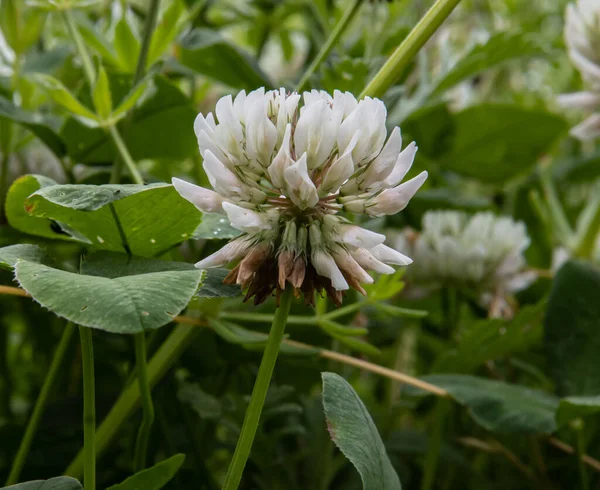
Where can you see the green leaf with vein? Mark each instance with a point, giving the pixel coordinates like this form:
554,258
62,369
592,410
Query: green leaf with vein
499,406
214,227
23,251
40,125
126,304
153,478
354,432
57,483
153,217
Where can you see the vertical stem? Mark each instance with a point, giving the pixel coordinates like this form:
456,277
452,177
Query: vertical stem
86,60
5,149
141,446
89,409
124,153
330,43
580,453
259,393
432,456
407,50
140,71
40,405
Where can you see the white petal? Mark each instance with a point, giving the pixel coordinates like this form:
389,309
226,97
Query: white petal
589,129
369,262
245,219
347,263
402,166
383,165
357,236
340,170
227,117
392,201
326,266
315,133
261,133
579,100
232,251
389,255
223,180
281,161
205,200
300,188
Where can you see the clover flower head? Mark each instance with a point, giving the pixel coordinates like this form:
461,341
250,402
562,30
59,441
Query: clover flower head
283,168
483,253
582,37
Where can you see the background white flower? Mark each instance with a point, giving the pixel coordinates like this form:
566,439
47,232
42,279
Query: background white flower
483,253
582,36
283,171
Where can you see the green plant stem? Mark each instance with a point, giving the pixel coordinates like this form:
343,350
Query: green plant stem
40,405
580,453
407,50
259,393
432,456
141,446
330,43
562,228
140,71
267,318
161,362
588,227
86,60
124,153
89,409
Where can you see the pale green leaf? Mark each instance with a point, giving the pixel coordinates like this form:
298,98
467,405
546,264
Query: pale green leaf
101,95
66,99
153,478
57,483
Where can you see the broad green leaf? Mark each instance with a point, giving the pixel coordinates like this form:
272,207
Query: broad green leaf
491,339
101,95
500,48
574,407
215,226
66,99
127,304
353,431
127,45
206,52
18,217
167,29
153,217
153,478
37,123
572,330
24,251
499,406
57,483
162,128
495,143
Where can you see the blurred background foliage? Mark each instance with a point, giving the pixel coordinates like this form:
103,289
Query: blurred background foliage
479,100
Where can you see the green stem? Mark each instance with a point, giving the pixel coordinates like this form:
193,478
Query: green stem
588,227
40,405
432,456
580,452
140,71
86,60
141,446
407,50
344,310
560,223
125,406
89,409
124,153
330,43
267,318
3,182
259,393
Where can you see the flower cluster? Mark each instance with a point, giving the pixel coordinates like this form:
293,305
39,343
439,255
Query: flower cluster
483,253
283,171
582,36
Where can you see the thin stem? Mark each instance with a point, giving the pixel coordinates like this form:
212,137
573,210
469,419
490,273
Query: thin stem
432,456
580,452
141,446
259,393
124,153
330,43
267,317
407,50
40,405
89,409
588,227
140,71
560,223
3,182
86,60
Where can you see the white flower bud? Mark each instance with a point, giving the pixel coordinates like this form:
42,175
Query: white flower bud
340,170
315,133
392,201
347,263
366,260
234,250
300,187
380,168
281,161
261,133
389,255
245,219
325,266
205,200
357,237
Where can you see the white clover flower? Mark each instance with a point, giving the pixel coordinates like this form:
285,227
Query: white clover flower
483,253
582,36
283,172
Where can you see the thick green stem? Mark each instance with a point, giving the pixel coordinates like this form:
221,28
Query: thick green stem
40,405
259,393
161,362
86,59
141,446
330,43
140,71
89,409
399,60
124,153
